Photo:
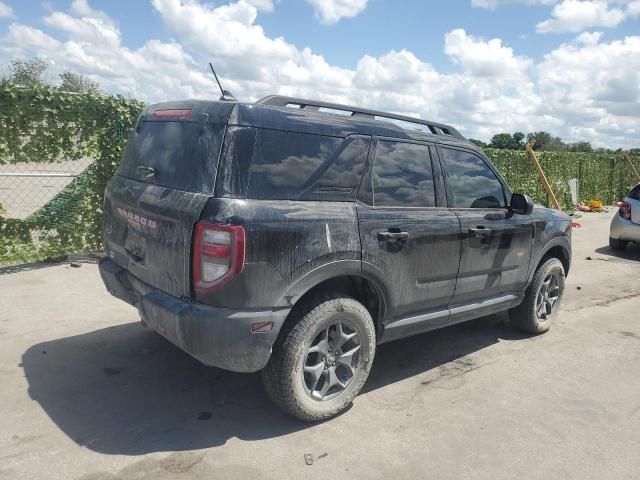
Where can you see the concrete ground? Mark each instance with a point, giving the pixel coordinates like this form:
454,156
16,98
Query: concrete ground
88,393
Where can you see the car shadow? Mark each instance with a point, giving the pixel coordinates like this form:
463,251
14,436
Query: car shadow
71,259
125,390
631,252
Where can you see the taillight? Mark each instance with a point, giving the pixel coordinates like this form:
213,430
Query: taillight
218,255
625,210
173,113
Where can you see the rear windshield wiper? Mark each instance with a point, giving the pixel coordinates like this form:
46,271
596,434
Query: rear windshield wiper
148,174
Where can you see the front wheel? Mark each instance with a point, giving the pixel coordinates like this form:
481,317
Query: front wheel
323,361
542,299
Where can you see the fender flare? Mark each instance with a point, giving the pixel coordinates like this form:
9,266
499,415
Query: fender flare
562,242
336,269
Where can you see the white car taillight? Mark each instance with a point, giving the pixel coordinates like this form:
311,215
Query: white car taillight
218,255
625,210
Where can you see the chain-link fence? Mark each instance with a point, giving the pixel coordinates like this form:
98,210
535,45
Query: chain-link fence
27,187
57,152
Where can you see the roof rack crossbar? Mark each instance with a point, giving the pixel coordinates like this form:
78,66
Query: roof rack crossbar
283,101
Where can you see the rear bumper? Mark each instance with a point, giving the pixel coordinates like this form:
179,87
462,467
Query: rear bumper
218,337
623,229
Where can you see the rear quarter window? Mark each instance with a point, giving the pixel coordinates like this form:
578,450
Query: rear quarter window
300,166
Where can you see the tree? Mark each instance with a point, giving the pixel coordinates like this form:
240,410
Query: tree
518,137
502,140
27,71
544,141
580,147
76,82
507,141
478,143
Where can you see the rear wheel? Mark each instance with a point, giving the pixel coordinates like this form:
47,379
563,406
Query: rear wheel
323,360
542,299
617,244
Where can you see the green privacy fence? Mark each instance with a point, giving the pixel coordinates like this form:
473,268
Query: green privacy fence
602,176
58,150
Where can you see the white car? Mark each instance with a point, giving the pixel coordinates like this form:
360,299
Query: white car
625,227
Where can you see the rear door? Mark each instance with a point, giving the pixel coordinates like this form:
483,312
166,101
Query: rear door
406,230
161,187
496,244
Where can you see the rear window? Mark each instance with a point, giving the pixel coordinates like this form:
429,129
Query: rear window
300,166
635,193
177,154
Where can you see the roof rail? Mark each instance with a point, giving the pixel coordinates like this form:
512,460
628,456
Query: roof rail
284,101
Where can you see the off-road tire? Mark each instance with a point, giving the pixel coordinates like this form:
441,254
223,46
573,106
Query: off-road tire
282,377
524,316
617,244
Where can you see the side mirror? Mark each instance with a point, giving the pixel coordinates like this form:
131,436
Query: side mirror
521,204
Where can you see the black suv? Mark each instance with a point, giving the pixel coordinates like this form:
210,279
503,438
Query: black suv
293,236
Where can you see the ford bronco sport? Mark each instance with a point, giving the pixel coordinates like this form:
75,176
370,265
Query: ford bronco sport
293,237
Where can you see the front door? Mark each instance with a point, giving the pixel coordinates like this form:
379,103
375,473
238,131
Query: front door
406,230
496,244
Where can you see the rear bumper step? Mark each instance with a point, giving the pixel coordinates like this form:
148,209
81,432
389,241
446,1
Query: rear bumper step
218,337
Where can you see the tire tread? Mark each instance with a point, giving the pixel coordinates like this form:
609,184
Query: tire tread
283,360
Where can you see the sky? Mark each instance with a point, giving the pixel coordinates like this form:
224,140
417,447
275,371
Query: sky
569,67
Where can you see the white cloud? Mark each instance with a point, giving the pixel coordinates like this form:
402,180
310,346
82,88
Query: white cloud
575,15
484,59
331,11
5,10
633,9
584,89
578,15
596,88
589,39
264,5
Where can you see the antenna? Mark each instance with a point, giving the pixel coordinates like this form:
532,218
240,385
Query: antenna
226,94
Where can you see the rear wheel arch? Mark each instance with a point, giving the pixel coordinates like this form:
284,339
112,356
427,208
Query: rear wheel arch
366,289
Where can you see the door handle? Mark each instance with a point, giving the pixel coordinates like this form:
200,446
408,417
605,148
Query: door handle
480,231
393,237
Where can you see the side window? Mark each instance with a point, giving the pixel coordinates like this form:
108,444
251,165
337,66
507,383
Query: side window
473,183
284,162
402,175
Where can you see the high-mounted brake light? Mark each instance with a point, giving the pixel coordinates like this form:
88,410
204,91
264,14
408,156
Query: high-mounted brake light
625,210
218,255
173,113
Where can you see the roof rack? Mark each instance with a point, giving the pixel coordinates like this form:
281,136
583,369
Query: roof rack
284,101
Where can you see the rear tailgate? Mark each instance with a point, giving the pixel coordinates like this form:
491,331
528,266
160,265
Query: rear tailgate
163,183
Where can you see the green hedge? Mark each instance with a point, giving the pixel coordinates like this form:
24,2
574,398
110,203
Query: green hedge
42,124
601,176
